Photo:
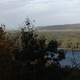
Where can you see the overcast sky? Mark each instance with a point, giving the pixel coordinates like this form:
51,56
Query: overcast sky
44,12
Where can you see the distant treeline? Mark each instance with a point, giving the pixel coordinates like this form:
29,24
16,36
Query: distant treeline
68,40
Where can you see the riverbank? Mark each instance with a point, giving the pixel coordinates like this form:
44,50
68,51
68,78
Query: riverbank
69,49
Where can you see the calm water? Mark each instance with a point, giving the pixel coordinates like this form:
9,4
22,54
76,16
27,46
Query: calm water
71,58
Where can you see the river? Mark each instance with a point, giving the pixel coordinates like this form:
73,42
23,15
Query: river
71,58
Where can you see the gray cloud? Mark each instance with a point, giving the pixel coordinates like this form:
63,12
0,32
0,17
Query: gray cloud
45,12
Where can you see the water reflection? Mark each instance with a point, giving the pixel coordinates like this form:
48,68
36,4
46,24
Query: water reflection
71,58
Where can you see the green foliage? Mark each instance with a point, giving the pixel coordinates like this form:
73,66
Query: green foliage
52,46
30,62
67,40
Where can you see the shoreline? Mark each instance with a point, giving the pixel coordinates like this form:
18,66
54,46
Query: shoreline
68,49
